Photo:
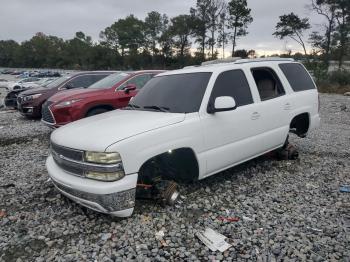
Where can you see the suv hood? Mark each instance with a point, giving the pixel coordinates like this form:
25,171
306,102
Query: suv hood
75,93
34,91
98,132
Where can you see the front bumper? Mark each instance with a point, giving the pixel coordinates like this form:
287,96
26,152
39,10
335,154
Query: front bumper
114,198
29,111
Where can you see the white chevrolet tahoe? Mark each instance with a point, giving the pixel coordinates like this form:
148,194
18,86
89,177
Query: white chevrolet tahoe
183,125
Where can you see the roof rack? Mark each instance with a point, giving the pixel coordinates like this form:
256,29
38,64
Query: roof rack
239,60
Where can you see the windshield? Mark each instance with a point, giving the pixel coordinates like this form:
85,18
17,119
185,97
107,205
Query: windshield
110,80
58,81
181,93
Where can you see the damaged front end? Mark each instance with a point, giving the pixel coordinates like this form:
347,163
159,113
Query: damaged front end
96,180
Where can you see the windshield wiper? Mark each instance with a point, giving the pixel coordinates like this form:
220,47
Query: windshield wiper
132,106
158,108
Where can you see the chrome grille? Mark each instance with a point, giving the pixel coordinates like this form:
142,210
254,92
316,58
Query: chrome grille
46,113
70,153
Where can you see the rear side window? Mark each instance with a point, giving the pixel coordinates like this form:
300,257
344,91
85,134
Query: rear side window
268,83
297,77
85,80
233,83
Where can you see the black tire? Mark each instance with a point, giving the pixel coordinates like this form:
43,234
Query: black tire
96,111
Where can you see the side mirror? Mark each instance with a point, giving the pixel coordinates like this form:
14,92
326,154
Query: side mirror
129,87
69,86
223,103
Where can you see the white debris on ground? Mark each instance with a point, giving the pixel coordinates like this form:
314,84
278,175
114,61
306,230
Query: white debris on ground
278,209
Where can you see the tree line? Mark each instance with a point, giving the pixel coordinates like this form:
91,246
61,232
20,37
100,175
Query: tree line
162,42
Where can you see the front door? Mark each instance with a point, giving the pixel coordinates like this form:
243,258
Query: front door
231,136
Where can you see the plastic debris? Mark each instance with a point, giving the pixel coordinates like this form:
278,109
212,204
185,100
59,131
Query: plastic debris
314,229
160,234
146,219
344,189
2,213
248,219
213,240
229,219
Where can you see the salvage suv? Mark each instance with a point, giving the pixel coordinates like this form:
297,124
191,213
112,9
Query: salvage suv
112,92
184,125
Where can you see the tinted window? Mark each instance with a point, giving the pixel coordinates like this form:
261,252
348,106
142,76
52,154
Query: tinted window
85,80
181,93
139,81
58,81
233,83
110,80
297,76
267,82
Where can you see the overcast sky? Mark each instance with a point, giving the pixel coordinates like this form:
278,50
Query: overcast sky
21,19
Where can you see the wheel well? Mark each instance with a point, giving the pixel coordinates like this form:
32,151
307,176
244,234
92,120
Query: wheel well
107,107
300,124
180,165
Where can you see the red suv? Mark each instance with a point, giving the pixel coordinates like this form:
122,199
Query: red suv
108,94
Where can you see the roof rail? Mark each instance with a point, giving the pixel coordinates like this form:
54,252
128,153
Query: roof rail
221,61
239,60
250,60
192,66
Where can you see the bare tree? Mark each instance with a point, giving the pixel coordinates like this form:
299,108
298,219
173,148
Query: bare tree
327,9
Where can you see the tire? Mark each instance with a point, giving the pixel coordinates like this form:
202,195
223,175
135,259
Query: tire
96,111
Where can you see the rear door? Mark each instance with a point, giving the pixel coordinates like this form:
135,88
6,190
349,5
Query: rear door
273,112
230,137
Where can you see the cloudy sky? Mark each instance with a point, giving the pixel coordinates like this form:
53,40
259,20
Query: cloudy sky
21,19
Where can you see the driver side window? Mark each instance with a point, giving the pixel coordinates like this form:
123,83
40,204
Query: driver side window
139,81
233,83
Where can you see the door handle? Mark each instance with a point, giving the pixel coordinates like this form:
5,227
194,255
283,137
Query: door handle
287,106
255,116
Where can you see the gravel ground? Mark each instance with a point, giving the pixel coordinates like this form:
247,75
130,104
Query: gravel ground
296,208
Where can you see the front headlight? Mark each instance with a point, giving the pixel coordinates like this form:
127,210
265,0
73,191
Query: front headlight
110,160
67,103
102,158
105,176
32,97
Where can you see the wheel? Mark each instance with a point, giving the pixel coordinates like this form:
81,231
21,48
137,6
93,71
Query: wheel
96,111
288,152
171,194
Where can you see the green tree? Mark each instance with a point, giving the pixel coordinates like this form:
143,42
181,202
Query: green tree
290,25
342,34
77,51
201,23
181,30
239,19
216,7
155,25
240,53
222,32
126,35
8,51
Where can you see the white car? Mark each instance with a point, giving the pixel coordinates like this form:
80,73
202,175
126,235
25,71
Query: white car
183,125
23,83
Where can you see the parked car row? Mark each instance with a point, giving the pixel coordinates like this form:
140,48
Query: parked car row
78,95
34,73
182,125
